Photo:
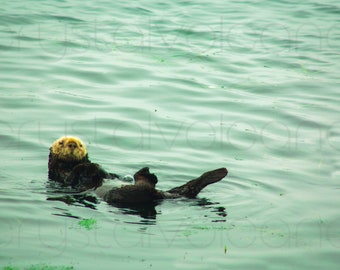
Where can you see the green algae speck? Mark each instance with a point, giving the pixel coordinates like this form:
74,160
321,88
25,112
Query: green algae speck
88,223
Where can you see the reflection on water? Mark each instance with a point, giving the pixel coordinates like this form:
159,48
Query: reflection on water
214,208
146,211
64,213
56,192
79,200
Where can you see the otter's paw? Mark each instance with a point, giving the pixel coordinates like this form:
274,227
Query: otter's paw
86,176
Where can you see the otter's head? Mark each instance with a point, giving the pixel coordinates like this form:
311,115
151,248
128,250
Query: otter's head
68,148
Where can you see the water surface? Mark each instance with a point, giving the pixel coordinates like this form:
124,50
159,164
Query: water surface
182,87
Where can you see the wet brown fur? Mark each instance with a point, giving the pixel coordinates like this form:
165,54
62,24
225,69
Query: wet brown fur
70,165
144,191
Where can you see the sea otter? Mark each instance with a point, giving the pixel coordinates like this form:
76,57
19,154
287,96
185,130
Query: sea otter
70,165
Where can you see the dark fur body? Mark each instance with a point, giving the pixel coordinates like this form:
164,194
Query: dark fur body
81,174
59,170
144,191
133,194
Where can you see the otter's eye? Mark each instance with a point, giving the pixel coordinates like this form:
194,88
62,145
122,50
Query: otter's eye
80,145
61,143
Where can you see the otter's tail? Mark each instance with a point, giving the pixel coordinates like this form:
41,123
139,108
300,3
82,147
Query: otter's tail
193,187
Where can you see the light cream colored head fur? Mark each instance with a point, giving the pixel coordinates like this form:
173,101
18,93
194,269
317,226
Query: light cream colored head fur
69,148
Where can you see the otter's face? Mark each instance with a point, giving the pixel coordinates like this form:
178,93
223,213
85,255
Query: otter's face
69,148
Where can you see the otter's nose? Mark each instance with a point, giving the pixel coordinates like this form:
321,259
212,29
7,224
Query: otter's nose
72,145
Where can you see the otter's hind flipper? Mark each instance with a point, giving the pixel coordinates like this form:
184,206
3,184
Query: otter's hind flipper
193,187
145,175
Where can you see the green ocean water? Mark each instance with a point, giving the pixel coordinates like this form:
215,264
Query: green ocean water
182,87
